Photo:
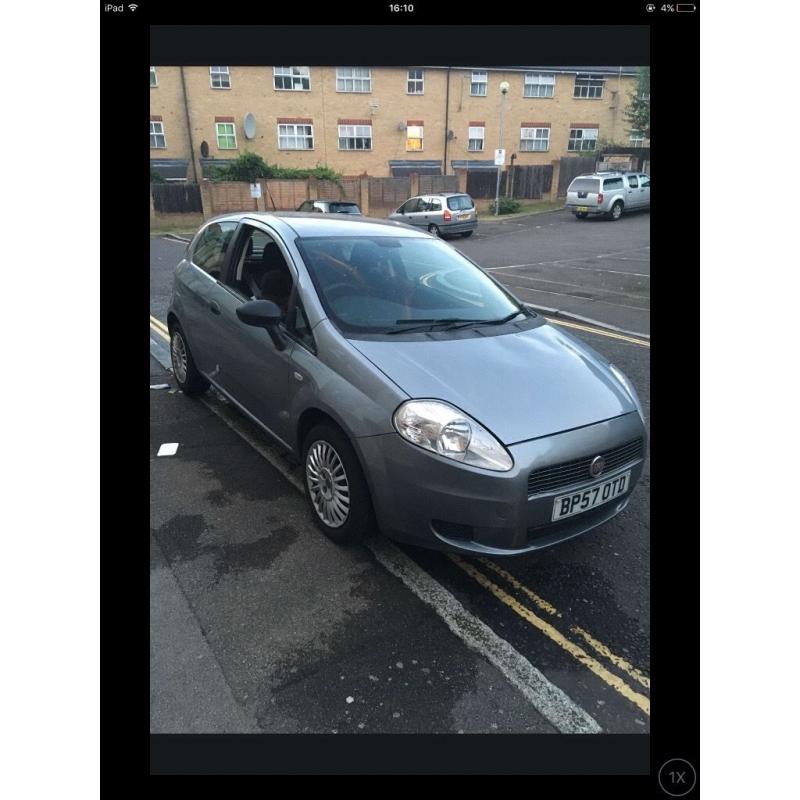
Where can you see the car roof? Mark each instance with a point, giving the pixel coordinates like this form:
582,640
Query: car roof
440,194
609,173
306,224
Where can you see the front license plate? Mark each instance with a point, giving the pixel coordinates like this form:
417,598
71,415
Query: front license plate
582,208
567,505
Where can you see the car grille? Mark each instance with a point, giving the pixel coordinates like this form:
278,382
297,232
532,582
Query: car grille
552,478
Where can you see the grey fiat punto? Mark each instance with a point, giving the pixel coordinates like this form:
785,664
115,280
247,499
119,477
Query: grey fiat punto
419,395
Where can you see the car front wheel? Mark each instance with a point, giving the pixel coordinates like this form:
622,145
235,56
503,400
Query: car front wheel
190,380
335,485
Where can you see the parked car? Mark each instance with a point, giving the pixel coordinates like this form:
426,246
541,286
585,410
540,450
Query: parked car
441,213
415,391
330,207
608,193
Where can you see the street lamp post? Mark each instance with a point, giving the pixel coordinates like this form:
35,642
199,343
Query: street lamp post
504,87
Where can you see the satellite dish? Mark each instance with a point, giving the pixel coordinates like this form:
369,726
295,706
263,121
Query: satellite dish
204,149
249,126
401,126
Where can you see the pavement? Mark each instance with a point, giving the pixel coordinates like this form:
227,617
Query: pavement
260,623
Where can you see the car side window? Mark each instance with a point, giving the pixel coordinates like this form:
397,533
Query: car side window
633,182
297,325
411,205
435,205
209,251
305,206
645,182
612,183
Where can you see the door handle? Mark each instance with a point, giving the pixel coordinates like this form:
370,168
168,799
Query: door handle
214,307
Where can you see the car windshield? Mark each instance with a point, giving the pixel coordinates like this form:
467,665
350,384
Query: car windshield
585,185
380,284
459,202
344,208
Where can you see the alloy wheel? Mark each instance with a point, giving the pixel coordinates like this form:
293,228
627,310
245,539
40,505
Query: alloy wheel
327,484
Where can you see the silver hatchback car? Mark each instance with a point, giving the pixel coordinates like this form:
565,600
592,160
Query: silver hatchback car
609,194
442,214
418,394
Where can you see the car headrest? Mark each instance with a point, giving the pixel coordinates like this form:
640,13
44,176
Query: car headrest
272,258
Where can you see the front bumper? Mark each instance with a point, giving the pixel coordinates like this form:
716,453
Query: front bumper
428,500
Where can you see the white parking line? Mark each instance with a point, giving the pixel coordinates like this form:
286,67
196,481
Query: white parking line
583,269
550,701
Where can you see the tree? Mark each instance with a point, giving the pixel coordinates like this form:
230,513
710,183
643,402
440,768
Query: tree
638,110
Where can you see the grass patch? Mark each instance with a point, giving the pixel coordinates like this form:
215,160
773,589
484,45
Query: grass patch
526,208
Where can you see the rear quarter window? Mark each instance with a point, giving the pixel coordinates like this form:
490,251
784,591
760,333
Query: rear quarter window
585,185
612,183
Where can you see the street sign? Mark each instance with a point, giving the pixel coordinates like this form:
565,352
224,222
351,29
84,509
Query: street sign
255,190
499,157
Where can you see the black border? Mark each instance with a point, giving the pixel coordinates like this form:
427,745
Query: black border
674,39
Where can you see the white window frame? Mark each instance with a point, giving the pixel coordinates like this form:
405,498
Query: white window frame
638,139
288,72
535,136
421,137
534,81
156,133
583,138
474,136
590,89
420,80
355,132
153,78
473,83
295,134
233,127
219,72
342,77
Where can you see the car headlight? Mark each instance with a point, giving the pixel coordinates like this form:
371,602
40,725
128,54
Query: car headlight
441,428
628,386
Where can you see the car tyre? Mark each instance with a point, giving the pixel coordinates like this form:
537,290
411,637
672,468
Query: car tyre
616,210
433,230
189,379
467,234
335,485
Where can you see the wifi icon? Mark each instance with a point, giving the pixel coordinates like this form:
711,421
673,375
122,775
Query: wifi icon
133,6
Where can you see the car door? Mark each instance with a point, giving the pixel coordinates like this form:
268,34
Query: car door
644,190
633,198
412,211
252,370
200,291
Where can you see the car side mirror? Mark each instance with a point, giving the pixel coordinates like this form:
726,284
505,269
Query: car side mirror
263,314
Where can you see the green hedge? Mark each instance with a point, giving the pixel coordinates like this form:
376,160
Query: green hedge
507,206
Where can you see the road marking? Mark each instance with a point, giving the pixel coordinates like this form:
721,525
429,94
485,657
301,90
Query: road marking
599,332
550,701
595,644
573,285
159,326
583,269
578,653
573,296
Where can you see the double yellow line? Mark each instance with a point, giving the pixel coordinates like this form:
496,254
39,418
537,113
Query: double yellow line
159,327
617,683
600,332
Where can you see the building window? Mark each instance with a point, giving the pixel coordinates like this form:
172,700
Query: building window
637,138
534,139
153,77
293,79
295,137
414,137
157,138
416,81
589,86
226,136
353,79
477,87
582,139
476,138
355,137
539,84
220,77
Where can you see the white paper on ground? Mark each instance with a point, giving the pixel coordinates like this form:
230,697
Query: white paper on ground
168,449
159,386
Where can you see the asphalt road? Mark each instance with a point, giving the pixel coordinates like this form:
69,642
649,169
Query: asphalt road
259,623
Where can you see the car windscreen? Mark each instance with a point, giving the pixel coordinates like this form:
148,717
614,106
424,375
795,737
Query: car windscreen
585,185
459,203
344,208
377,284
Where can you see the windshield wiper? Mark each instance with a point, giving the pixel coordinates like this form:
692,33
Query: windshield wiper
464,323
425,324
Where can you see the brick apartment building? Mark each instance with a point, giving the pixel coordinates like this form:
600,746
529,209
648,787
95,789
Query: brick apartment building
382,120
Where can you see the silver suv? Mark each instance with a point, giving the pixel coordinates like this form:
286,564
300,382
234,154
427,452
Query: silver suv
440,213
608,193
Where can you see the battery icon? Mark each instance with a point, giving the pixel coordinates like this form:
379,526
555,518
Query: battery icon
686,7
